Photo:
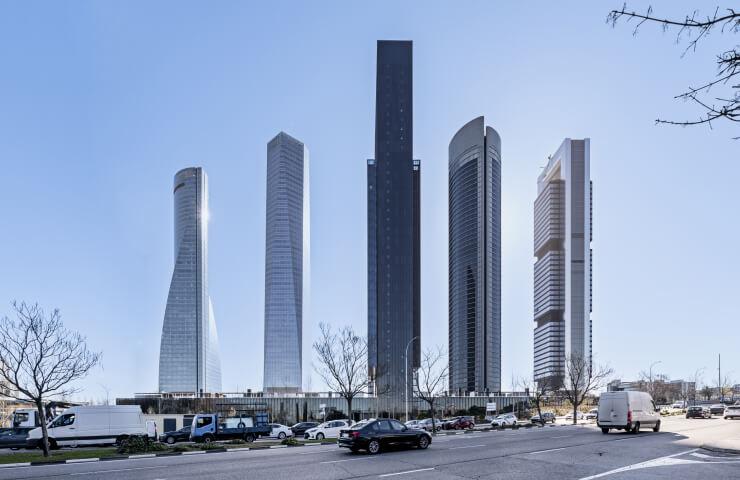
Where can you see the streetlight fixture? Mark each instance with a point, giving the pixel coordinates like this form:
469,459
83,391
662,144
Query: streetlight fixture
406,362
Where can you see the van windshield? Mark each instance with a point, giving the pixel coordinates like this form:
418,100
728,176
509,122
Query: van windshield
63,420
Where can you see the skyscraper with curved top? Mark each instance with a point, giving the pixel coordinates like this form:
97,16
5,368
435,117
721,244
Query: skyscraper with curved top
189,356
475,259
287,263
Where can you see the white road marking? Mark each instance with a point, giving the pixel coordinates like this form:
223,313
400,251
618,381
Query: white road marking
562,436
407,471
82,460
349,460
656,462
548,450
466,446
116,470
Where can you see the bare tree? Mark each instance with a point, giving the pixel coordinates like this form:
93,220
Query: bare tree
724,387
538,390
342,360
431,379
706,392
581,379
726,105
40,358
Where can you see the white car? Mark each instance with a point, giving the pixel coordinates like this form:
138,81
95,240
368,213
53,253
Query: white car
280,431
503,420
414,424
579,416
326,430
732,411
592,414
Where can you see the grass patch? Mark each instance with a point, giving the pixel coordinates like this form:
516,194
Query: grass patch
38,456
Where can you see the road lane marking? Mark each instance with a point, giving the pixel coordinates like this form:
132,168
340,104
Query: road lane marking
656,462
116,470
466,446
548,450
562,436
407,471
349,460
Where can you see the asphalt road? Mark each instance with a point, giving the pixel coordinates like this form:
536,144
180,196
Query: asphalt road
572,452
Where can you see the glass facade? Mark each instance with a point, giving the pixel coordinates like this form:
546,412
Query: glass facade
562,271
189,356
393,231
475,259
286,263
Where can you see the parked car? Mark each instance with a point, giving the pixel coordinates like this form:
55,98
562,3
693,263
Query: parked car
547,417
326,430
504,420
207,427
698,412
280,431
182,435
569,417
732,411
426,424
717,409
460,423
627,411
299,429
592,414
14,438
94,425
383,434
413,424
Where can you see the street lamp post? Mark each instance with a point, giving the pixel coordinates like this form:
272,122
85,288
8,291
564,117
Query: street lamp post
406,390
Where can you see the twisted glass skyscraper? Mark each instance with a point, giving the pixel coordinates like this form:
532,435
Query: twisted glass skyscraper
286,263
475,259
188,356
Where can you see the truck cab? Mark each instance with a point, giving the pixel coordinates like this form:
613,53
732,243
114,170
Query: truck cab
207,427
26,417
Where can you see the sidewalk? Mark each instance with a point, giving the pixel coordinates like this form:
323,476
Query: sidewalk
729,444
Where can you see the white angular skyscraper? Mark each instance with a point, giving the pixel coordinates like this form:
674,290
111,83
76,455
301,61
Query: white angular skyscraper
188,357
562,271
287,263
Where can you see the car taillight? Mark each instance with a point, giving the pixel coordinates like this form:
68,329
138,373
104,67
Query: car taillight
629,416
356,434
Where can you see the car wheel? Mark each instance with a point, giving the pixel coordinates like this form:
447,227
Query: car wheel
52,444
170,440
249,437
656,428
281,435
373,447
320,436
604,431
207,439
636,428
423,442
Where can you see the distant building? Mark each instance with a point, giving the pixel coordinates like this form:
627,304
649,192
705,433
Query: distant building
394,301
189,355
475,259
562,271
287,263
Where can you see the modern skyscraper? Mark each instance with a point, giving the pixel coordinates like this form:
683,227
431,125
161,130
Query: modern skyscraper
562,271
394,327
475,259
287,263
188,356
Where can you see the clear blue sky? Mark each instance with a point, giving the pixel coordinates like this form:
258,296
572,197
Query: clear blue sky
101,102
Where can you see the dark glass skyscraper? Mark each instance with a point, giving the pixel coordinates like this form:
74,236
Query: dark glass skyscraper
475,259
394,327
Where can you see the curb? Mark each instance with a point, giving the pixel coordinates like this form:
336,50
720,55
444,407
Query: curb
712,448
155,455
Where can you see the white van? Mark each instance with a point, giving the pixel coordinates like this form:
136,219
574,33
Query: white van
98,425
629,411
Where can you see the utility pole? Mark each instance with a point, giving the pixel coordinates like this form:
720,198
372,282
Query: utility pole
720,393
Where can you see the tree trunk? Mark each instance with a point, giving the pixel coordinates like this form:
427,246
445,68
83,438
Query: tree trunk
349,410
539,410
431,409
575,413
44,431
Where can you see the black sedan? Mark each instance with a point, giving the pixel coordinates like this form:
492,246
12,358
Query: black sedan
182,435
14,438
547,417
698,412
383,434
300,428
